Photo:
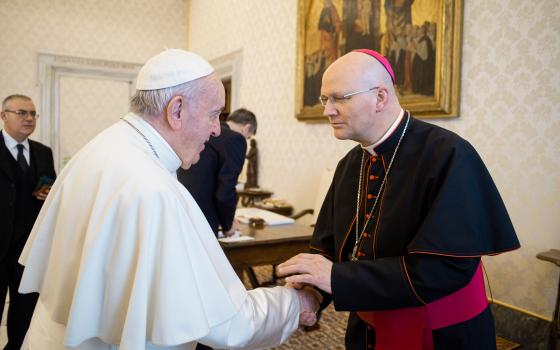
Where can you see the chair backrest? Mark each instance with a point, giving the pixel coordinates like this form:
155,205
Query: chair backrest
323,188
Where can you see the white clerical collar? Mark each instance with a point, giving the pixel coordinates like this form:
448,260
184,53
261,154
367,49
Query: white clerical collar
163,150
371,148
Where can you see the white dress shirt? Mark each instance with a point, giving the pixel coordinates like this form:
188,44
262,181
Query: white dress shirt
11,145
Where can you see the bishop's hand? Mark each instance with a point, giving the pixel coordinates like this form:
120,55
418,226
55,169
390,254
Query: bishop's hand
302,269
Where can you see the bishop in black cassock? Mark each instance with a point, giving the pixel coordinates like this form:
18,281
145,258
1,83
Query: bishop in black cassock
407,218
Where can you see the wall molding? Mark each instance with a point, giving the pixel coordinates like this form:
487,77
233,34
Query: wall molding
518,309
229,66
52,67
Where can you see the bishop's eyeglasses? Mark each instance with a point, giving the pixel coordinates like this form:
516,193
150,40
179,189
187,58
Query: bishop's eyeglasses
338,99
22,113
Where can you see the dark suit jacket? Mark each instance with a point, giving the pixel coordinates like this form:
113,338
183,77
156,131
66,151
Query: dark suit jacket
211,181
42,159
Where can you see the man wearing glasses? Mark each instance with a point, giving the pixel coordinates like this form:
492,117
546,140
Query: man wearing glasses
26,172
409,214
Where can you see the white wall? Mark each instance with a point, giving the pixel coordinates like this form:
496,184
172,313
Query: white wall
510,102
129,31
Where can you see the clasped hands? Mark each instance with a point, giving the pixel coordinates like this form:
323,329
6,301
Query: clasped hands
309,302
303,271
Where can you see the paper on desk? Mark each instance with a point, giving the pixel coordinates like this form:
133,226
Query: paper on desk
244,214
235,239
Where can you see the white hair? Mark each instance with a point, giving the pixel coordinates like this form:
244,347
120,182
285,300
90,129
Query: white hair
154,102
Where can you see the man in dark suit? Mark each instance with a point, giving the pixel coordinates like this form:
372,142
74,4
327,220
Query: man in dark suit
212,180
26,173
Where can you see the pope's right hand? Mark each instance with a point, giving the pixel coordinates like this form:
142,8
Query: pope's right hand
309,301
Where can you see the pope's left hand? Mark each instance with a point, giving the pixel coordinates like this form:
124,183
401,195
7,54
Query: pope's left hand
312,269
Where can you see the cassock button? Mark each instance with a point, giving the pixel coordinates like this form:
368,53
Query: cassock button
367,216
372,177
370,196
373,159
365,235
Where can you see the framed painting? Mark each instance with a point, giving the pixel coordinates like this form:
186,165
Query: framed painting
420,38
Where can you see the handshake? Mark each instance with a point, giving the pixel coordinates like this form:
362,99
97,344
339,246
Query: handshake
309,302
305,271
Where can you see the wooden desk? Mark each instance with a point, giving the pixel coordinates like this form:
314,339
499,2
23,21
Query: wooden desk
272,245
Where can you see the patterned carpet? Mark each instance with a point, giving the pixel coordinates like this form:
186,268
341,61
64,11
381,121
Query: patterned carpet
330,335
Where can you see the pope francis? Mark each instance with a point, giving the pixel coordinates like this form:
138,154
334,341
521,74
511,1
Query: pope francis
122,256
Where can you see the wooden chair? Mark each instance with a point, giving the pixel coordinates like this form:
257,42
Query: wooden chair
553,256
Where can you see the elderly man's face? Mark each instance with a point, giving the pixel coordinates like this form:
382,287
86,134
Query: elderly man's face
203,121
17,126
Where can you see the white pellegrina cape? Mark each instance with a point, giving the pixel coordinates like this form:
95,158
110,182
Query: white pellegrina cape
123,258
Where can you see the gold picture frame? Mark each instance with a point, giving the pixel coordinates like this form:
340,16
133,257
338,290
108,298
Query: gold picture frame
423,44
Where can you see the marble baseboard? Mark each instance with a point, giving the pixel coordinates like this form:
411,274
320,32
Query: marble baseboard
530,332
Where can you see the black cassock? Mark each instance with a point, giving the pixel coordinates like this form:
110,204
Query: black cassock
438,213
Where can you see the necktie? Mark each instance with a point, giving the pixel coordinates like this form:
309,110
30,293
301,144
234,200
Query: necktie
21,158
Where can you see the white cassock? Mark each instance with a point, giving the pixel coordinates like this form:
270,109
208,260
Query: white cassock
123,258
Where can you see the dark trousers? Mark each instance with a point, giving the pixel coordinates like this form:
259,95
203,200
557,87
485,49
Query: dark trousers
20,309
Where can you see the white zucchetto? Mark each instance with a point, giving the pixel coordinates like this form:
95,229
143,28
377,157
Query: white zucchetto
171,68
